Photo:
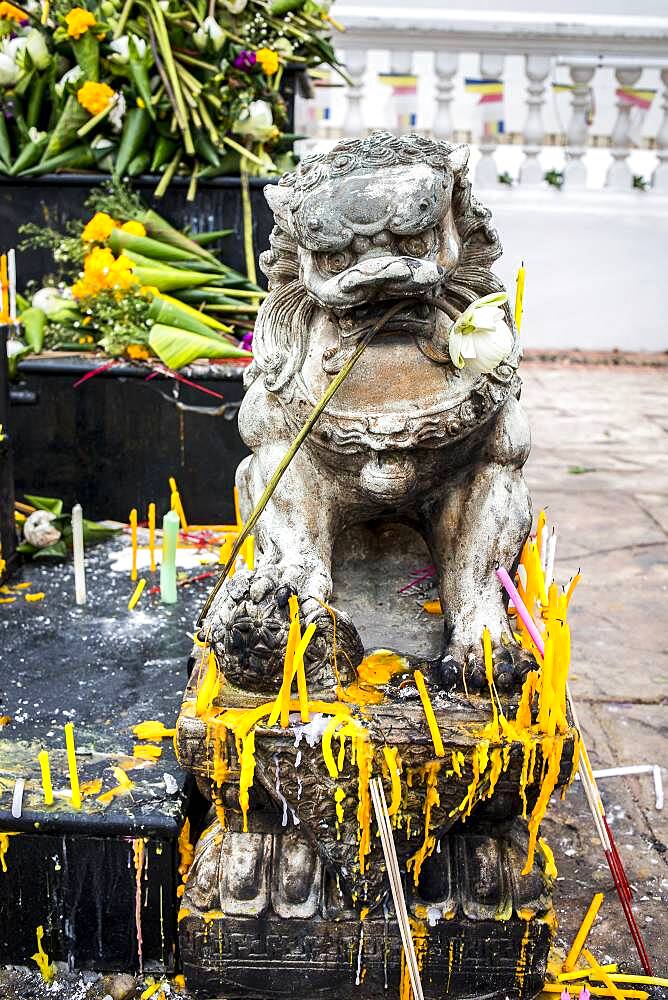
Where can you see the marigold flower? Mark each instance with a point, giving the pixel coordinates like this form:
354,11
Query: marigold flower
138,352
268,60
8,12
103,272
134,228
78,21
99,228
95,97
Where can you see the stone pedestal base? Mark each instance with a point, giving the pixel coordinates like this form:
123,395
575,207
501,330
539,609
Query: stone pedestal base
261,917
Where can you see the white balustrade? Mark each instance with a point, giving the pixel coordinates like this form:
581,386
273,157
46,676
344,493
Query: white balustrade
660,177
579,50
576,134
619,174
537,68
486,174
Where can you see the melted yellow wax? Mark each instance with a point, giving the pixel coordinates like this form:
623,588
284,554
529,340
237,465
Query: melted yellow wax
393,762
420,935
47,970
4,847
208,685
431,799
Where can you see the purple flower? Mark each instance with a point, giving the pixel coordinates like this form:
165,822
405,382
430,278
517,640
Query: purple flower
584,994
246,59
247,341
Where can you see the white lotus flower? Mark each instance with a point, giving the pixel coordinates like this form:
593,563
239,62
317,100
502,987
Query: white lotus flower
52,301
35,135
480,338
37,49
72,76
210,31
9,70
256,121
121,48
117,113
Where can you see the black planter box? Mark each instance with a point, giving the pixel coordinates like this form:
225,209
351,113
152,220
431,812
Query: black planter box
112,443
54,199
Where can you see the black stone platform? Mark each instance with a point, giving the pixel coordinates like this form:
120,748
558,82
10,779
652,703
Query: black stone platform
102,881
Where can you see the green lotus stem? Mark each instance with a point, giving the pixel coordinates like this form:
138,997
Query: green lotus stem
122,21
158,21
247,213
242,151
208,122
236,307
96,119
282,467
192,187
166,178
5,145
242,293
185,57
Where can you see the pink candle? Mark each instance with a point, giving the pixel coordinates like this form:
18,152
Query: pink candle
521,608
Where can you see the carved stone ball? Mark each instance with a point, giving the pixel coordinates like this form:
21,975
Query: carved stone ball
39,529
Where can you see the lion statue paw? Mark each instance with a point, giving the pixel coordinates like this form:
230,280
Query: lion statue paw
248,630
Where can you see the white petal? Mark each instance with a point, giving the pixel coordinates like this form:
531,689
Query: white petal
491,348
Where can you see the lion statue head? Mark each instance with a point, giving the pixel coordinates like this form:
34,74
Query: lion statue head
373,222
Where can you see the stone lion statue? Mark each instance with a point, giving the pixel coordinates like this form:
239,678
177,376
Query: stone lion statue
416,433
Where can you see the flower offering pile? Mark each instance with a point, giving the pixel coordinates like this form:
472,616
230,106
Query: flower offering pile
129,284
159,87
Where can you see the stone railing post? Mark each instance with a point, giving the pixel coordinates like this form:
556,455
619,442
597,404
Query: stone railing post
619,172
401,64
445,67
537,68
660,176
486,174
353,120
576,133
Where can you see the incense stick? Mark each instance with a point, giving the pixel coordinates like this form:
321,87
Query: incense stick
394,875
590,787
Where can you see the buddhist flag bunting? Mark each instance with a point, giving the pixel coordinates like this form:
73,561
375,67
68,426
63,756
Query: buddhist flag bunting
635,97
491,91
401,83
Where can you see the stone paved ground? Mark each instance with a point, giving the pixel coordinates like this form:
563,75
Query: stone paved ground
599,465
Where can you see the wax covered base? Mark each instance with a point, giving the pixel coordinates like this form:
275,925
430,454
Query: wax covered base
262,917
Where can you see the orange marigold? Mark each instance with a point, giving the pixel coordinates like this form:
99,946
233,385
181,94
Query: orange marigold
103,272
95,97
134,227
8,12
138,352
99,228
78,21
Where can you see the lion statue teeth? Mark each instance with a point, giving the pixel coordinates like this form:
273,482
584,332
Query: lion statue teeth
410,434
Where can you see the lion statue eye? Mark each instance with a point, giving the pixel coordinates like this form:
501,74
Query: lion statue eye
334,263
417,246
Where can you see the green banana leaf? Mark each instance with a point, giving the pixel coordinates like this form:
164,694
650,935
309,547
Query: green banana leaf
177,348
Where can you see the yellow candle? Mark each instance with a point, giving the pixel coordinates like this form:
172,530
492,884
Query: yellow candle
5,288
225,553
237,511
429,713
72,765
133,530
583,933
43,758
176,503
519,297
151,535
249,552
132,603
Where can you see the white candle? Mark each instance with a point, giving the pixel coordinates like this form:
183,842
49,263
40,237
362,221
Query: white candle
78,545
551,553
